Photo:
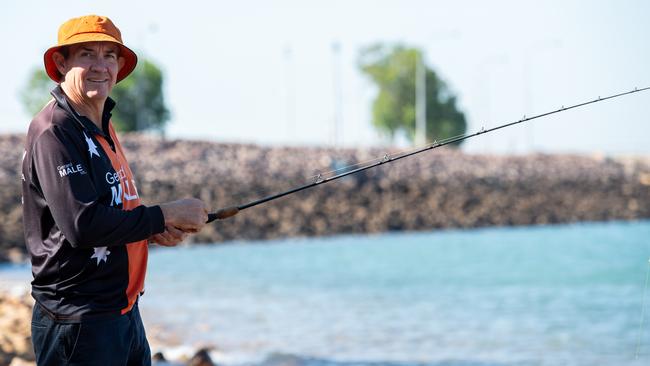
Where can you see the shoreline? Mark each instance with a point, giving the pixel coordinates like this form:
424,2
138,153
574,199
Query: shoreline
16,349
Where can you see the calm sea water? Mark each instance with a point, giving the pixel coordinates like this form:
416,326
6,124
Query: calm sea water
556,295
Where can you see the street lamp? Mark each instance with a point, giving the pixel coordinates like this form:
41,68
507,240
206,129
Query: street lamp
421,87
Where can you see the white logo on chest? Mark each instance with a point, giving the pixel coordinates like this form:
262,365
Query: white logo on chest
101,254
92,148
120,194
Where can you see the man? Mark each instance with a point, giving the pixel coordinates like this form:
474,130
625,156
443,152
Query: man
85,228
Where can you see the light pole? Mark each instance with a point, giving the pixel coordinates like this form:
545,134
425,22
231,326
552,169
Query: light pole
421,87
336,86
290,91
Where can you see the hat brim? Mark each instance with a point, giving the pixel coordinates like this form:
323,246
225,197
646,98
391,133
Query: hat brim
130,58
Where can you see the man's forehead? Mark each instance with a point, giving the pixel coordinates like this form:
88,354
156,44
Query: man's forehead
96,46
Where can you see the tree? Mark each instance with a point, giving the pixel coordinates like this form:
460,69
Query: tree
141,105
36,92
393,69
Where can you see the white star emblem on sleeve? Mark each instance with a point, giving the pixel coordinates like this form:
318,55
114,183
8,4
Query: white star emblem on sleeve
101,254
92,148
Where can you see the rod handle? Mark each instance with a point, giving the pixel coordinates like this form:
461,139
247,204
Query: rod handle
223,213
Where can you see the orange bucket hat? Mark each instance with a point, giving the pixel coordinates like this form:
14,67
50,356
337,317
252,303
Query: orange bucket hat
89,28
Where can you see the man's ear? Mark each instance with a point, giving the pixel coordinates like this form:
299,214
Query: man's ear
59,62
120,63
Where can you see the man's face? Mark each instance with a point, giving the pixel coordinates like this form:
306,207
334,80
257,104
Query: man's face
91,69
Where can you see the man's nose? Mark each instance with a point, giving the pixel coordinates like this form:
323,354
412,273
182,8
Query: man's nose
99,64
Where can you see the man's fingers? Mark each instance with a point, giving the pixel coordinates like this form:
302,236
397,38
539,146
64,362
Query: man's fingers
176,233
189,215
170,237
173,231
189,229
160,240
167,235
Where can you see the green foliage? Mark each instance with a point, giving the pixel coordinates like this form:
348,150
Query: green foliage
140,102
36,92
393,69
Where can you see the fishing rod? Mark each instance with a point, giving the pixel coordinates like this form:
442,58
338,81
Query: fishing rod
227,212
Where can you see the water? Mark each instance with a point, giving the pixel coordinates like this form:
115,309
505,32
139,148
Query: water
556,295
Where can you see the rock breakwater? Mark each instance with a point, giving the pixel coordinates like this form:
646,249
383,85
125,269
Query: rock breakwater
15,333
444,188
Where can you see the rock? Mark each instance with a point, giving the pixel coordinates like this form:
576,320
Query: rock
15,328
158,356
201,358
16,255
17,361
443,188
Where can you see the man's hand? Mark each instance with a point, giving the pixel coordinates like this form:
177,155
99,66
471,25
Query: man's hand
188,215
169,238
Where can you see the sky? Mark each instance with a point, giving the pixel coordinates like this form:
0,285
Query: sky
268,72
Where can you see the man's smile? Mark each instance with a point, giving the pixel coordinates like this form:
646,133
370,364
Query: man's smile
97,80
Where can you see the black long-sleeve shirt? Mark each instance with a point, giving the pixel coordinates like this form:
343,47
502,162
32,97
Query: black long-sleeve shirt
85,228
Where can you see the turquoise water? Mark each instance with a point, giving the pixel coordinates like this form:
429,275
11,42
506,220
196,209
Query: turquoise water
555,295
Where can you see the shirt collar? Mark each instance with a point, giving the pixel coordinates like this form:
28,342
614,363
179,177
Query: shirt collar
85,122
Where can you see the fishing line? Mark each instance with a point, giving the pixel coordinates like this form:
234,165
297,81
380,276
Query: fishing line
375,160
645,290
323,178
328,174
294,181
